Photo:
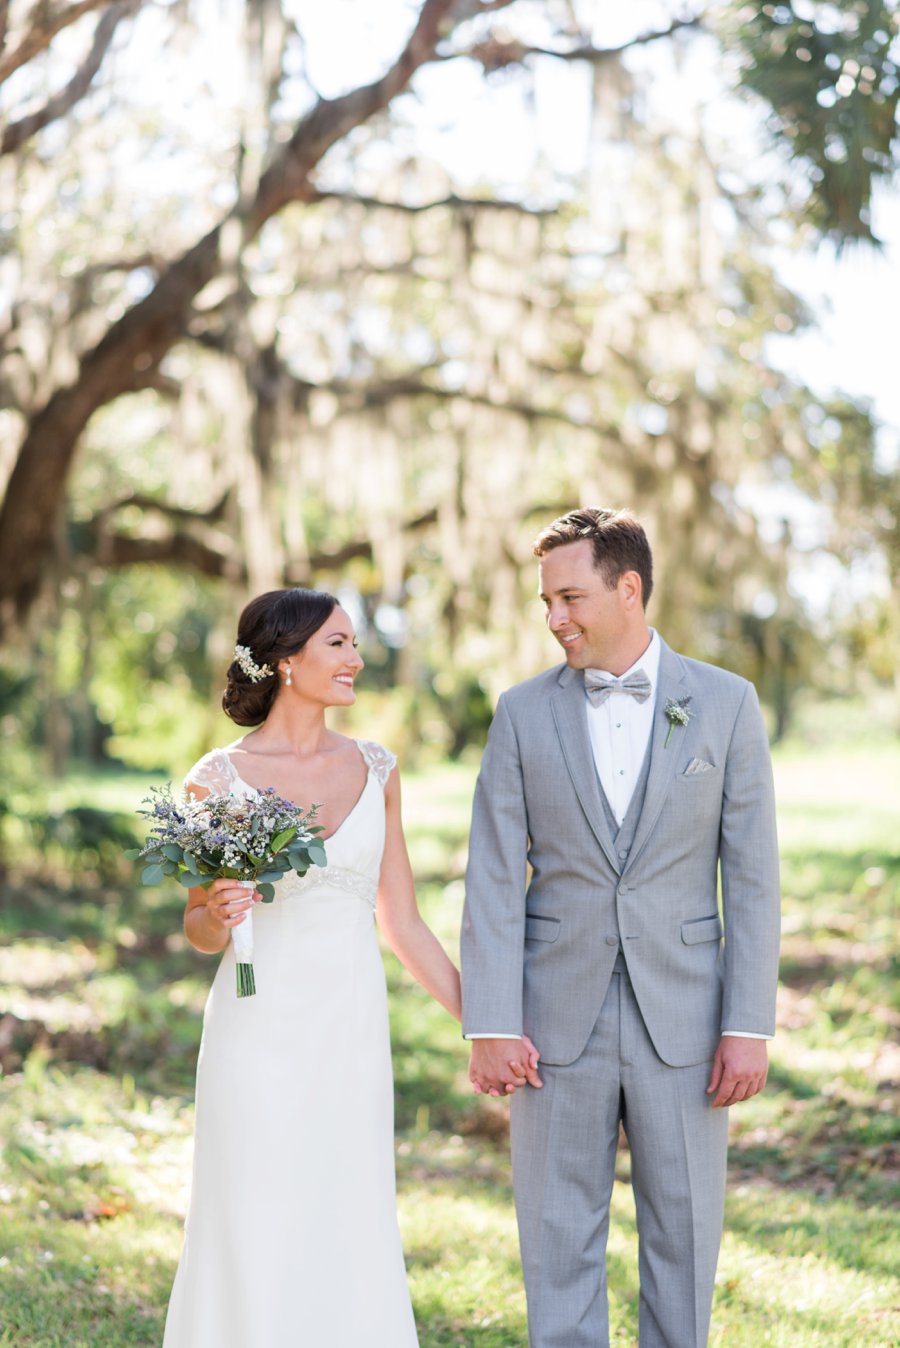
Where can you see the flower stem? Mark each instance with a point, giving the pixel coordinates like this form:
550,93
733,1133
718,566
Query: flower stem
669,736
246,982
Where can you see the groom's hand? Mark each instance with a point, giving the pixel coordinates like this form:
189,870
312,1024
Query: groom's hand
531,1073
739,1070
501,1066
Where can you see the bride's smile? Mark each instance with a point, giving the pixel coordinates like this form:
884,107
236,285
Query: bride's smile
325,670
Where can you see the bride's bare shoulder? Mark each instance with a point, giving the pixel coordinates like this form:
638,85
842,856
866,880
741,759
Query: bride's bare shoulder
242,745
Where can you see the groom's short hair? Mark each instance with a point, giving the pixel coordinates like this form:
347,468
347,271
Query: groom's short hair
618,540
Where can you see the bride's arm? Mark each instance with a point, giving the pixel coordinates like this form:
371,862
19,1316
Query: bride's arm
399,919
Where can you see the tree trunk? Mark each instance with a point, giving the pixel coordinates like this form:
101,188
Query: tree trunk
131,350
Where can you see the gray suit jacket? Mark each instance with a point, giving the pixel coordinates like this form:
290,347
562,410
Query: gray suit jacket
538,949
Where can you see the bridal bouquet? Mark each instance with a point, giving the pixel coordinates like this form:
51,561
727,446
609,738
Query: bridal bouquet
255,841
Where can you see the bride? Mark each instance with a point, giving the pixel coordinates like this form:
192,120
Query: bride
291,1238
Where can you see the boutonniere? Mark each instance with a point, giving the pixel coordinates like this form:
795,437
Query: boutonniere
677,714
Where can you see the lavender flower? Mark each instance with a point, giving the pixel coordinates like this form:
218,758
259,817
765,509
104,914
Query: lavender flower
676,710
196,841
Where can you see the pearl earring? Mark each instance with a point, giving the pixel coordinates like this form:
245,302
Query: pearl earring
287,678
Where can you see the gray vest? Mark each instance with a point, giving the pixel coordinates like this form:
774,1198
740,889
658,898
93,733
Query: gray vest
624,833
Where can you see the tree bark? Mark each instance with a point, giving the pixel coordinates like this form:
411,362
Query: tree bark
188,550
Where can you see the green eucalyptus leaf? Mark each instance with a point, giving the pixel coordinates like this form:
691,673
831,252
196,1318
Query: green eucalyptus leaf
267,892
152,875
282,839
173,852
131,853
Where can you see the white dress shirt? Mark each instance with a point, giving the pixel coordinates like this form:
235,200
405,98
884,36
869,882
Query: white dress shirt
619,731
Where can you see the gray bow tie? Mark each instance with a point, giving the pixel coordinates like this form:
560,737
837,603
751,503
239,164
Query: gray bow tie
599,686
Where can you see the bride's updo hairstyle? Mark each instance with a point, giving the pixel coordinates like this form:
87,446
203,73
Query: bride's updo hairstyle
272,626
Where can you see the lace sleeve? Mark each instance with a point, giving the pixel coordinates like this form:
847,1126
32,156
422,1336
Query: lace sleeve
378,759
213,771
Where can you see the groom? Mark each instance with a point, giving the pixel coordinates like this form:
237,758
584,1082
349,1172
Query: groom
630,779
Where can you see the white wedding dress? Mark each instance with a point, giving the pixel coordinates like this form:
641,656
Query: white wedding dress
291,1238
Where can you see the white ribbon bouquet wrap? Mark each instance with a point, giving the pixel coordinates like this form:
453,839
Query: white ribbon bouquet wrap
242,940
252,841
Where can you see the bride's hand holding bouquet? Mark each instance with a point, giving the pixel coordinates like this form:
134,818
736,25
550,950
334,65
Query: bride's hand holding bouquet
226,844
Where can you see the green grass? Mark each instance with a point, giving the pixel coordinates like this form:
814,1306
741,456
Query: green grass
100,1002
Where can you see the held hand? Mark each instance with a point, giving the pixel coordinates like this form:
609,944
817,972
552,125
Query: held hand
527,1074
502,1066
739,1070
228,901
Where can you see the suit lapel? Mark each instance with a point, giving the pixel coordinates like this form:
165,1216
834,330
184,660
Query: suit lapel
567,705
663,762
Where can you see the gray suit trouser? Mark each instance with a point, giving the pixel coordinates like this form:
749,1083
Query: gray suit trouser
678,1146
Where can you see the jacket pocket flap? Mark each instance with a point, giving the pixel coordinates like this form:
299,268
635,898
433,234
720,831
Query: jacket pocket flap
704,929
541,928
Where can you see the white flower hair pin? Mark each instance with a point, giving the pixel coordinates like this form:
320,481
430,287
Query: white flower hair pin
255,673
677,713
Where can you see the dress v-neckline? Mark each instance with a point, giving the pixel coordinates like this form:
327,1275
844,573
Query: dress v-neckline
353,808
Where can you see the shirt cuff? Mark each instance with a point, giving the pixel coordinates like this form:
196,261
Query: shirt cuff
745,1034
490,1035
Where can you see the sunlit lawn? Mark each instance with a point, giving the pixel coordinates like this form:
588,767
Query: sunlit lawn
99,1022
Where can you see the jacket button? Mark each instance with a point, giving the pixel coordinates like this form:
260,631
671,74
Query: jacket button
612,940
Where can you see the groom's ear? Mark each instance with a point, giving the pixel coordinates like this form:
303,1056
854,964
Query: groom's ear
631,589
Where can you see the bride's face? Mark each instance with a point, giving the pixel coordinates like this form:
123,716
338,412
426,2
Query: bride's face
325,669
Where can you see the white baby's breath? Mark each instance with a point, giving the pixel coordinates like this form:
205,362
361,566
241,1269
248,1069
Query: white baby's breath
676,711
256,840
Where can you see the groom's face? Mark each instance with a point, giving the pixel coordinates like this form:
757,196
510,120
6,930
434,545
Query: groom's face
590,621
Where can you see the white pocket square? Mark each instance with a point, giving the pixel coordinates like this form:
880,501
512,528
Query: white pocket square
697,765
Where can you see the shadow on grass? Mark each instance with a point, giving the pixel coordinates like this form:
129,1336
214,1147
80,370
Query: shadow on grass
57,1296
772,1324
807,967
849,896
83,1193
425,1094
438,1329
90,909
147,1039
796,1224
795,1084
843,1140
